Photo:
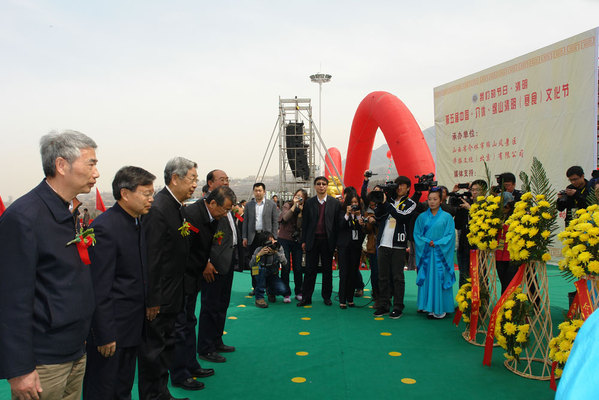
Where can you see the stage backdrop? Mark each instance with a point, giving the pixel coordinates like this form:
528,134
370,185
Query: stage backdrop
542,104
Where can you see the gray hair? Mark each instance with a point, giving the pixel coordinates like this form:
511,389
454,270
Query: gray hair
177,166
220,194
130,178
66,144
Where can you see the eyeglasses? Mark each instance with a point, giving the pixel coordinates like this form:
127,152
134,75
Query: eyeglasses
192,179
321,184
147,195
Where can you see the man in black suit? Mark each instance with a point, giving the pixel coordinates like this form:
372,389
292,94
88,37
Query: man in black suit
167,256
203,216
119,273
46,292
217,278
319,237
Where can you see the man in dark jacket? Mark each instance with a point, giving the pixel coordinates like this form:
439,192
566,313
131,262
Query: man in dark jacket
575,195
46,293
119,273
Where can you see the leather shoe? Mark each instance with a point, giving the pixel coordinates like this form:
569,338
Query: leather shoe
202,372
223,348
328,302
190,384
212,357
304,303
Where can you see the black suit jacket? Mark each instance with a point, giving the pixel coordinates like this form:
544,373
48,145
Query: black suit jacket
46,292
345,235
198,216
119,272
221,254
167,253
310,220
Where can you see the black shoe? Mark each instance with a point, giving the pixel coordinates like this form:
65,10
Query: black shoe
351,304
251,293
223,348
380,312
395,314
328,302
272,298
343,306
202,372
212,357
304,303
189,384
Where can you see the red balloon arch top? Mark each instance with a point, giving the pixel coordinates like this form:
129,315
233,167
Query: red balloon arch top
407,146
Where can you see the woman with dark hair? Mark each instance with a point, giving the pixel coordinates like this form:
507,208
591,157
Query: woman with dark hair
290,225
434,237
349,247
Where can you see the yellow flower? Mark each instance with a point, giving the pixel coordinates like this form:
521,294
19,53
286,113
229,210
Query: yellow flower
517,350
521,337
558,372
492,232
544,204
522,297
508,314
524,254
546,257
545,234
533,231
584,257
565,345
577,271
509,304
571,335
540,197
593,266
546,215
460,298
530,244
524,328
526,196
534,220
493,244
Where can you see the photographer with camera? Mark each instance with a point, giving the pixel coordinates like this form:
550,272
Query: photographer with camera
290,232
506,182
264,264
575,195
393,215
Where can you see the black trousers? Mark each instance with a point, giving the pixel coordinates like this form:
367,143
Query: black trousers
213,314
108,378
320,251
463,255
506,271
184,360
349,267
391,263
155,357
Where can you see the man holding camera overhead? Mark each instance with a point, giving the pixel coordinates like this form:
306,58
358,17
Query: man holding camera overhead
393,215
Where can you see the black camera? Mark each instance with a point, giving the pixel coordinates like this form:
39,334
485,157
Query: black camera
368,174
274,246
355,207
562,193
499,187
390,190
376,197
425,182
455,199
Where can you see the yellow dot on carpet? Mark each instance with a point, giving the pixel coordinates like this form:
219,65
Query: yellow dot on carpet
307,306
385,333
232,317
366,297
298,379
304,333
306,318
394,353
224,332
367,290
302,353
379,319
370,306
408,381
249,297
241,306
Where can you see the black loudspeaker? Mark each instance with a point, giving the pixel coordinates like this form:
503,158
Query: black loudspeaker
297,153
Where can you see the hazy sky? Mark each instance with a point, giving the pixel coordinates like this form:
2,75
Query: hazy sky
149,80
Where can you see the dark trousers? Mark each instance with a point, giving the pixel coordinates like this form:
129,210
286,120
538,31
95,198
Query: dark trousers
358,281
293,253
506,271
155,357
320,251
213,314
463,255
374,274
108,378
184,354
391,263
349,266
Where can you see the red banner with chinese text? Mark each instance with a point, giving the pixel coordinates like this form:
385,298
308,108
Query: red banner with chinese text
475,293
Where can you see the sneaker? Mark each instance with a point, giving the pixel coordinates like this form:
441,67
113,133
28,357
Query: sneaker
287,299
395,314
380,312
298,297
260,303
272,298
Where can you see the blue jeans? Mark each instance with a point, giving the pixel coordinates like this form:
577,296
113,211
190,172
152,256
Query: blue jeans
268,278
293,253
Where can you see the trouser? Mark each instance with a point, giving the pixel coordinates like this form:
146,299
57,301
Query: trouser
391,264
184,354
320,251
463,256
213,314
155,357
506,271
268,279
109,377
349,266
293,253
61,381
374,274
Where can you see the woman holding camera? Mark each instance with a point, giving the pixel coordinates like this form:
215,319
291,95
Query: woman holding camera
290,225
349,247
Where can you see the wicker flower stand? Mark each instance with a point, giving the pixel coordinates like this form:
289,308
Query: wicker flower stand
488,277
534,360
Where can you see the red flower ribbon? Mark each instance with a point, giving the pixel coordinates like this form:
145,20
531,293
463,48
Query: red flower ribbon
193,228
82,246
552,383
239,217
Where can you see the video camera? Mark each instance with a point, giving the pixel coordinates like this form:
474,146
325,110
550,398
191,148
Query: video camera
425,182
368,174
273,245
499,187
455,199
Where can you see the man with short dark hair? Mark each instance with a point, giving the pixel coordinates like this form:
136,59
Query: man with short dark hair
508,180
167,256
574,197
393,217
119,274
319,239
43,263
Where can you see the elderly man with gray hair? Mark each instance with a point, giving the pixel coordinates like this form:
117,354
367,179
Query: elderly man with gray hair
46,292
168,250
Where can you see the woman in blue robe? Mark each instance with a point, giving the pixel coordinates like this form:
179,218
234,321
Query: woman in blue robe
434,236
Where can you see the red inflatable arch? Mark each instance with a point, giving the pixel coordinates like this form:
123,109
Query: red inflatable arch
329,170
404,137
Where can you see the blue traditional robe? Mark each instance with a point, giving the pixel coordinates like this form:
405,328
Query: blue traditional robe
436,274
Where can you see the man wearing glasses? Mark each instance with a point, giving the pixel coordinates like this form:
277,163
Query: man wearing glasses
319,237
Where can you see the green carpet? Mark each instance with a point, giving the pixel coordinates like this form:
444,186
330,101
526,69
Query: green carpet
348,357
